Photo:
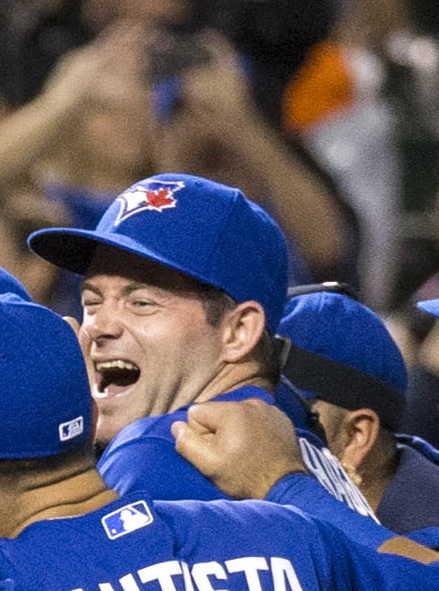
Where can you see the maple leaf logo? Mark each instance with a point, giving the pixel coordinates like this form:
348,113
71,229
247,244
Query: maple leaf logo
160,199
159,195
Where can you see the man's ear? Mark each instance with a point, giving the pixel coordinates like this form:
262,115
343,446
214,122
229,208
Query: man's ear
362,428
244,327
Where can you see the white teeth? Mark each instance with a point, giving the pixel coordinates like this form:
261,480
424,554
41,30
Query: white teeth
116,364
97,394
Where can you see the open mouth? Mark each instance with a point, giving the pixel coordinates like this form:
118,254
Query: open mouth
115,377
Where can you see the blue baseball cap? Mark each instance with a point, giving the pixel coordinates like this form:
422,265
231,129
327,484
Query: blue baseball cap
45,403
430,306
343,353
201,228
9,284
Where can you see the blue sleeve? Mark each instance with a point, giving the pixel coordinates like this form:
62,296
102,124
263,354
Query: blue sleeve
320,555
154,465
7,585
364,569
307,494
429,536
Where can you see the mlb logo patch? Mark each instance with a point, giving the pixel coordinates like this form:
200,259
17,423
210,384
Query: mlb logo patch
155,196
71,429
127,519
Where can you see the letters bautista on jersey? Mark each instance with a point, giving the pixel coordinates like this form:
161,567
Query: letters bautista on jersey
174,575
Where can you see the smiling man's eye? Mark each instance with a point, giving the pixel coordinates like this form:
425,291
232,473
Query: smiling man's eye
90,301
141,305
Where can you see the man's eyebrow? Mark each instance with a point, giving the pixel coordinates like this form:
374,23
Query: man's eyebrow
87,286
126,290
133,286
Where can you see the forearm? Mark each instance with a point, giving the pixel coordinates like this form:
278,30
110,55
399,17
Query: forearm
306,209
28,132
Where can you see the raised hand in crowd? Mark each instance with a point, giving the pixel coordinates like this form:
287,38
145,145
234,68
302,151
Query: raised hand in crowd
218,131
83,78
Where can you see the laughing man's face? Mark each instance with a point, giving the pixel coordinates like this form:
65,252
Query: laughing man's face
146,332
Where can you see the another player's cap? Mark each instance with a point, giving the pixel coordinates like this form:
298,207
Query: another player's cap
430,306
204,229
343,353
45,402
9,284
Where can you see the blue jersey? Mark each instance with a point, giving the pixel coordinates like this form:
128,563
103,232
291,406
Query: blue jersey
134,544
143,457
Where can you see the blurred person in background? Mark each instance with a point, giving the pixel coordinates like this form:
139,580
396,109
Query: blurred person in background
91,131
25,209
217,110
365,105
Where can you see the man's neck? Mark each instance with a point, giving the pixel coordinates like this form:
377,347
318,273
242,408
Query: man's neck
52,497
231,377
377,475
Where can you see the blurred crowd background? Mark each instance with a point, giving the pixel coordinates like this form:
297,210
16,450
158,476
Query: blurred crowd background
324,111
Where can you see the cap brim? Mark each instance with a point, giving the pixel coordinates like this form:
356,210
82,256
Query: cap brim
73,249
430,306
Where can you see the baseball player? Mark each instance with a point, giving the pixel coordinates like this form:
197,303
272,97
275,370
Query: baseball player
185,282
345,361
62,528
184,285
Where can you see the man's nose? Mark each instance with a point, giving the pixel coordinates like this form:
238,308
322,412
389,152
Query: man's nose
103,324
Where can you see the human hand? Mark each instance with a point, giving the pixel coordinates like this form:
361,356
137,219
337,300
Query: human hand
243,447
220,85
102,68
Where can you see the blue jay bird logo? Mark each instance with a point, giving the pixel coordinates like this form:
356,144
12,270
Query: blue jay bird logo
155,196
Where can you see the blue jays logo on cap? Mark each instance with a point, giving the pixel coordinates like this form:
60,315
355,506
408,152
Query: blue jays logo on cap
127,519
155,196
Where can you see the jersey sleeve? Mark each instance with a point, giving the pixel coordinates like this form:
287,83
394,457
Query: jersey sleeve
281,547
153,465
362,568
306,493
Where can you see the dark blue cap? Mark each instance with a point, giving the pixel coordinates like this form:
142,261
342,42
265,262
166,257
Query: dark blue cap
343,353
204,229
9,284
45,403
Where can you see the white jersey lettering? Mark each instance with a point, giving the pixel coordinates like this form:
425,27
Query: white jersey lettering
202,571
329,472
173,575
250,566
162,573
283,572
